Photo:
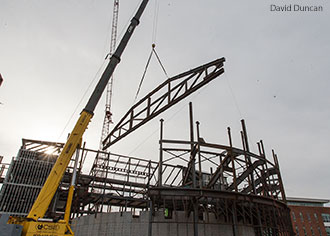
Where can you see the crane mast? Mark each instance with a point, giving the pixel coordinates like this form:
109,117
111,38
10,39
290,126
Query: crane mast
108,114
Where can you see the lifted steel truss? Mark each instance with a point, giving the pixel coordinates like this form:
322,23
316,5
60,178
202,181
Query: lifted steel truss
163,97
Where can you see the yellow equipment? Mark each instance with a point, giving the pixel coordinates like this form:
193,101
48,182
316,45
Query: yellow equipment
33,225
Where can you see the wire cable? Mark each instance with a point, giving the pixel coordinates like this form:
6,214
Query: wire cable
235,101
160,63
94,78
144,73
153,39
233,95
153,51
155,22
82,98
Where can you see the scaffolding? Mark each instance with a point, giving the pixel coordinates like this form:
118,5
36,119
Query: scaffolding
26,175
3,170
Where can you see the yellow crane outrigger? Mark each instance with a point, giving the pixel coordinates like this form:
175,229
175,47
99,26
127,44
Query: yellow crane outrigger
32,225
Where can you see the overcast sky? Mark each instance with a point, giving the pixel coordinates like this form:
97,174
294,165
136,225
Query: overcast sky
276,76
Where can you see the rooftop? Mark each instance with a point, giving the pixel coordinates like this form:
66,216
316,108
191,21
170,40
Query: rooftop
306,201
309,200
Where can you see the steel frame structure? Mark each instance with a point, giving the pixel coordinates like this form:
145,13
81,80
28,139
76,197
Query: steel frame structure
230,184
204,180
267,217
121,182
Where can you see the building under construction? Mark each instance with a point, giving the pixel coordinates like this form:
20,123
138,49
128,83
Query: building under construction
196,188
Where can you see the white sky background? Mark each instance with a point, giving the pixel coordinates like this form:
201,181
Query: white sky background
277,65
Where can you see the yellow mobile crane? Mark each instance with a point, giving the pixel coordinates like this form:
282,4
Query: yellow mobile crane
33,224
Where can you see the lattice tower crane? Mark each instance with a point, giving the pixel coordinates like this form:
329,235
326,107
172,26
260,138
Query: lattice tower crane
108,115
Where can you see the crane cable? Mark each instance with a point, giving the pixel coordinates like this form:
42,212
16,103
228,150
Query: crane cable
153,51
144,73
154,34
160,63
155,22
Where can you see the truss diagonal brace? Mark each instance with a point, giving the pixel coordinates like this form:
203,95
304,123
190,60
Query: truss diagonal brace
245,174
190,164
163,97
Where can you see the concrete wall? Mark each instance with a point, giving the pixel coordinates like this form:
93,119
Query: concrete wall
110,224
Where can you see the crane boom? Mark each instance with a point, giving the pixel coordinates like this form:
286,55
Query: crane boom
47,192
115,59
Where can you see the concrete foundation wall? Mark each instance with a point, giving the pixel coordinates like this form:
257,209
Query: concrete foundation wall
124,224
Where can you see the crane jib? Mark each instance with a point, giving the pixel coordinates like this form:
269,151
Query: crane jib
114,60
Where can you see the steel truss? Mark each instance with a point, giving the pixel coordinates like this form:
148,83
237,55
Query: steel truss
163,97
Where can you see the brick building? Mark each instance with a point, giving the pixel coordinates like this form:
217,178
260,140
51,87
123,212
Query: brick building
310,217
